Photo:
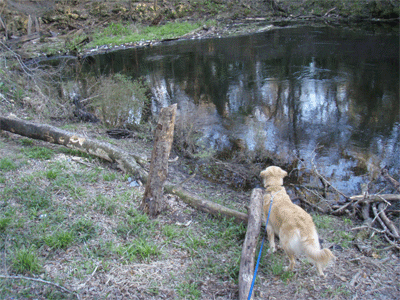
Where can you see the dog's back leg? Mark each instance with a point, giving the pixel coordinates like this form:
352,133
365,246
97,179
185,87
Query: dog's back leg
292,259
271,238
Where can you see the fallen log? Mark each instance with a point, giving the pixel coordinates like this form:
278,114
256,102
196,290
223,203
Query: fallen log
58,136
126,162
205,205
246,270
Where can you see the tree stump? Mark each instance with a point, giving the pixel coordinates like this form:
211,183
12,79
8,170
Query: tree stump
250,243
152,203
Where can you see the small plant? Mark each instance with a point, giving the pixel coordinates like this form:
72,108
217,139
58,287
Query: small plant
103,249
7,164
26,142
105,205
60,239
348,221
52,173
131,95
116,29
277,267
26,261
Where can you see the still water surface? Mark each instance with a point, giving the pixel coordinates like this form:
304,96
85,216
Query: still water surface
324,93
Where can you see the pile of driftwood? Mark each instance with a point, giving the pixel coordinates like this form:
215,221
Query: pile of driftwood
377,211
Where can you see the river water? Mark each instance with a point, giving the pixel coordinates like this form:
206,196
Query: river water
321,94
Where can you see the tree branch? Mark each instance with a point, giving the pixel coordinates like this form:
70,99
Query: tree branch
42,281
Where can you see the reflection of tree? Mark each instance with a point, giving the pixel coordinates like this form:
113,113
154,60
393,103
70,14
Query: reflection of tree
278,73
373,106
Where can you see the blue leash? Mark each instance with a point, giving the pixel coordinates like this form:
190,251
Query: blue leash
259,255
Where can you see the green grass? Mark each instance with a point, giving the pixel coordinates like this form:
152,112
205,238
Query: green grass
60,239
6,164
343,238
117,34
276,264
84,229
33,197
36,152
57,205
323,221
189,290
138,249
4,222
26,260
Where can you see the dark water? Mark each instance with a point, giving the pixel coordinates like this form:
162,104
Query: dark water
322,94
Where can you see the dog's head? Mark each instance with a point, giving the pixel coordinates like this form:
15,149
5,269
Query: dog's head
273,176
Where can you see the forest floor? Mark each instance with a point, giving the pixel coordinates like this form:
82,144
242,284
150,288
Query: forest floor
73,220
69,223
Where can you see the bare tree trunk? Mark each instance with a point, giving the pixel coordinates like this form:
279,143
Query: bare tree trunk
250,243
152,202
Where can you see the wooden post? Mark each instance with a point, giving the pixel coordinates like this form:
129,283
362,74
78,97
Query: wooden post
152,202
250,243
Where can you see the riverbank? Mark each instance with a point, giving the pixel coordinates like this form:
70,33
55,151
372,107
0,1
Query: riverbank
71,228
70,27
70,225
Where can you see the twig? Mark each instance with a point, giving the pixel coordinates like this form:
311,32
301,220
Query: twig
325,180
303,199
368,227
315,193
386,220
177,187
390,179
90,277
329,11
42,281
377,217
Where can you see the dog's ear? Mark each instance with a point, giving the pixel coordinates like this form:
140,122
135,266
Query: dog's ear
263,174
283,173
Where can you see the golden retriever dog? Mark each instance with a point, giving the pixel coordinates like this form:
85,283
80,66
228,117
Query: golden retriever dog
294,226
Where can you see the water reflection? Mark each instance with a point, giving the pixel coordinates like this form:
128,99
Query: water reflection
289,91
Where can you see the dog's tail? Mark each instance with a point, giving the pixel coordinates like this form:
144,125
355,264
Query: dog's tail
320,257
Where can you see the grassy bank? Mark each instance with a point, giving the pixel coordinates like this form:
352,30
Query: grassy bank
72,221
69,219
120,33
